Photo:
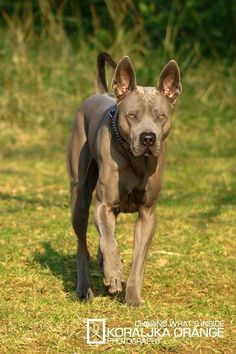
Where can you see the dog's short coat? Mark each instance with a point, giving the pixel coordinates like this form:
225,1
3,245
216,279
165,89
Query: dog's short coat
124,162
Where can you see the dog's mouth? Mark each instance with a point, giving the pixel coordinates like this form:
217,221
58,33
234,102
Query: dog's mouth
146,151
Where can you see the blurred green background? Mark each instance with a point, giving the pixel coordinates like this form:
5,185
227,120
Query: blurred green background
189,29
52,46
48,48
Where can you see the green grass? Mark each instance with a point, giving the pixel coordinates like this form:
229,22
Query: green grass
190,268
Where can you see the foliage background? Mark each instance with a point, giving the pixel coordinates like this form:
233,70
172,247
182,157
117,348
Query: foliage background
188,28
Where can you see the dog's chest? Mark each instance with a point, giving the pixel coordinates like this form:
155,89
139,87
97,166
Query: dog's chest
131,202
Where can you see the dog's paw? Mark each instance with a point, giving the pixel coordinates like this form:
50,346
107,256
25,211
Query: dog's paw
132,298
114,284
84,292
133,302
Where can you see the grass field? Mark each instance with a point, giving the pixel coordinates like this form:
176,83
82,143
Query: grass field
189,272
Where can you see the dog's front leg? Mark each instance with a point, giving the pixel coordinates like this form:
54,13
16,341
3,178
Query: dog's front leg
105,221
143,233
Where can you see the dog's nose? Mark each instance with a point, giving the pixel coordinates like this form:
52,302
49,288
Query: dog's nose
147,139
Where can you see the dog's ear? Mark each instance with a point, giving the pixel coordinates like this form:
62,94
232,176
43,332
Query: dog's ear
169,82
124,79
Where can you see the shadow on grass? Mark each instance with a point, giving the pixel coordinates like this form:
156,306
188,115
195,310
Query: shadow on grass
11,171
20,198
222,198
32,200
63,266
33,151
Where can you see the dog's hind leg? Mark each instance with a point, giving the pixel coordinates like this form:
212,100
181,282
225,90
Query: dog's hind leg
82,195
83,173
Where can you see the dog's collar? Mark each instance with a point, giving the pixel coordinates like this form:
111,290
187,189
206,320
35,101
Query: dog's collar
122,143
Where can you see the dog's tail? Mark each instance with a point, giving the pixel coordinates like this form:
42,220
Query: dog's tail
101,81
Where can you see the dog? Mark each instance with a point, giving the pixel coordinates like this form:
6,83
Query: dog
117,148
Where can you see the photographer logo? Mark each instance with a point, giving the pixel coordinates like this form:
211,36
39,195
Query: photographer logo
96,331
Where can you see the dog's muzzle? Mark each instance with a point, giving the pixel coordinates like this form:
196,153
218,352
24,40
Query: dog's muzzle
147,139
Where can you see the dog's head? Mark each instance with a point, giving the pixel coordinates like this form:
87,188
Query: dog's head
144,112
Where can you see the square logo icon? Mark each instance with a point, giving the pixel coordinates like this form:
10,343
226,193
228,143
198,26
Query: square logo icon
96,331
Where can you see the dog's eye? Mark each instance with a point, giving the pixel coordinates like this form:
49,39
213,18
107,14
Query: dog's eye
131,115
162,116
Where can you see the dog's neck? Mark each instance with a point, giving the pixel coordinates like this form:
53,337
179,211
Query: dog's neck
143,165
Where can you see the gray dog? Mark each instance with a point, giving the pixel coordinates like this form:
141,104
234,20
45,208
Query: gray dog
117,148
